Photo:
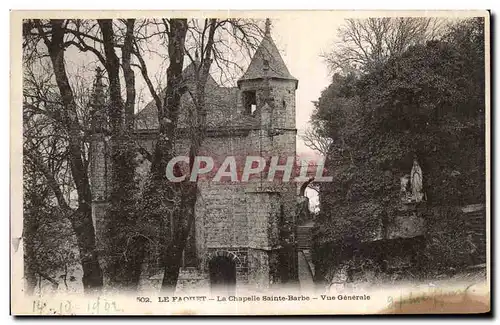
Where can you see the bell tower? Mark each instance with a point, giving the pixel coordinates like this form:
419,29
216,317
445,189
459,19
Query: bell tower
268,81
267,91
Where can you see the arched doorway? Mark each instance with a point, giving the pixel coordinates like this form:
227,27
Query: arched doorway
222,275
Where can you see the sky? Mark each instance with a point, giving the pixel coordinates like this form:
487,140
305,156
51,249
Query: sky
301,38
301,42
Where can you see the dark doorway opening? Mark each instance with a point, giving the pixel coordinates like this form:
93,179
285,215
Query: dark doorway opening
222,275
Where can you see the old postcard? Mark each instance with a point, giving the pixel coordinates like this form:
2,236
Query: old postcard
250,162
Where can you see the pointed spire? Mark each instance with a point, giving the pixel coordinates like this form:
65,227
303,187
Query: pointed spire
98,77
98,93
267,61
268,27
98,101
98,72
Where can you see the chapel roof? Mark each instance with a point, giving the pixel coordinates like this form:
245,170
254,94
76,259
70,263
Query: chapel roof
221,105
222,101
267,62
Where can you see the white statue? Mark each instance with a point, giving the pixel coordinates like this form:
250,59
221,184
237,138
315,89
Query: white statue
416,182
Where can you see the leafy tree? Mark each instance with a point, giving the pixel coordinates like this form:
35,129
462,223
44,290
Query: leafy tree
426,102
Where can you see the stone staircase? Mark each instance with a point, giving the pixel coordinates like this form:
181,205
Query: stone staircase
306,267
304,236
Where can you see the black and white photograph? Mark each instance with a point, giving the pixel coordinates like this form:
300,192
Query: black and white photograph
250,162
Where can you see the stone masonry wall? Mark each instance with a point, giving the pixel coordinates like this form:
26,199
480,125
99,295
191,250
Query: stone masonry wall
231,215
281,96
98,167
99,220
263,211
98,180
258,270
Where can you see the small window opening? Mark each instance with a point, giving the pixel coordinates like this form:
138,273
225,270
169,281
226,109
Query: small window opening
266,65
249,102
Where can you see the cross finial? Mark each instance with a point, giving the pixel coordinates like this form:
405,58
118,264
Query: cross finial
268,26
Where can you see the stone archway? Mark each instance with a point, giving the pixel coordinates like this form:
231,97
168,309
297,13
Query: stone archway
222,270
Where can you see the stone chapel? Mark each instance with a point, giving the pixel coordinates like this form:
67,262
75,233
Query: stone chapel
243,231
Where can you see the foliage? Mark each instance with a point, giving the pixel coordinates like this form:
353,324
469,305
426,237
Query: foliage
447,244
426,102
121,220
51,253
50,242
65,114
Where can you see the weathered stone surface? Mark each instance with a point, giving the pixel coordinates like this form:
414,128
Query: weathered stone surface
191,280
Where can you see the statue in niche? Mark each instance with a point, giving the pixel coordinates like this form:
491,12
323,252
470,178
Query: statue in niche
412,184
417,192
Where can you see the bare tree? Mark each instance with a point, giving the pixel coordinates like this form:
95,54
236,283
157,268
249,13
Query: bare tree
366,43
316,141
213,43
122,269
53,35
49,191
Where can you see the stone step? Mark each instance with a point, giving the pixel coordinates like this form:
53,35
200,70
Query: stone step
304,237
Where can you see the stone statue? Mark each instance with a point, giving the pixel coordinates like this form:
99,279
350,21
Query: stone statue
416,182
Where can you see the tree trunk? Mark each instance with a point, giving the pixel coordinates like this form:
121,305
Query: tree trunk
184,218
123,258
81,221
29,231
168,116
128,74
184,222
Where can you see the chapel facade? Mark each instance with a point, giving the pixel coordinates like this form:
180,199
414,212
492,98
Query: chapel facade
244,232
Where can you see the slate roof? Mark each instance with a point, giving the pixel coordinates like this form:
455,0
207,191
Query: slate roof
221,105
267,50
222,101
